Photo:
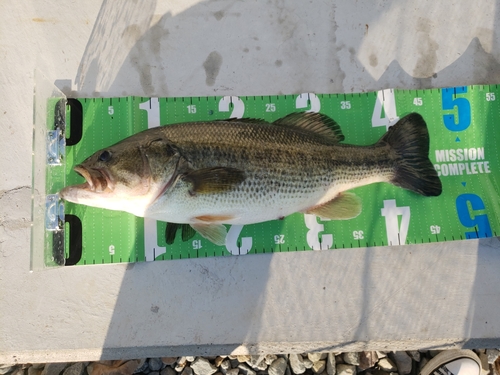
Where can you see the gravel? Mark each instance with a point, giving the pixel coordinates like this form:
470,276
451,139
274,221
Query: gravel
331,363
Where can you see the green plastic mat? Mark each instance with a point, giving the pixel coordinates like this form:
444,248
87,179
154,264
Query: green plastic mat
463,123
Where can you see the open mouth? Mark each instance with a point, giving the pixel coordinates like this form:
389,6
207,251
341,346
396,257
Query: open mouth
97,180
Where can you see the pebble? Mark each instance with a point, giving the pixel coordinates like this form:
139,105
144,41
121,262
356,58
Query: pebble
330,364
75,369
315,357
155,364
168,371
270,358
243,358
169,361
278,367
403,362
307,363
386,365
225,366
233,371
218,361
54,368
492,355
141,366
201,366
343,369
367,360
187,371
381,354
319,366
297,364
351,358
414,354
246,370
257,362
190,358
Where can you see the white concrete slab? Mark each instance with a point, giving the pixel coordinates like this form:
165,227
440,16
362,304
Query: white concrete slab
409,297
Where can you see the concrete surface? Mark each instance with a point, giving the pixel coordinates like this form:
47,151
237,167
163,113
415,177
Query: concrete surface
409,297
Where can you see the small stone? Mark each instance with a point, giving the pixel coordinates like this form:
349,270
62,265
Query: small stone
233,371
5,369
414,354
485,367
182,361
225,366
385,364
34,371
315,357
201,366
297,364
169,361
191,358
270,358
232,356
367,360
218,361
168,371
141,367
187,371
246,370
307,363
234,363
54,368
381,354
243,358
115,367
278,367
330,364
75,369
319,366
343,369
339,358
351,358
257,362
403,362
492,355
155,364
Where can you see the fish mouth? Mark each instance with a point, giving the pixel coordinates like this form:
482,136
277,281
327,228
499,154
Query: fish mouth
96,179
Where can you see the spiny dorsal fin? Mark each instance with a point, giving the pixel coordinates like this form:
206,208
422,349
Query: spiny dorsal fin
214,180
314,122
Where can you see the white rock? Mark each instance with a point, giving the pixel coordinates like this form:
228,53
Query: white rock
343,369
270,358
351,358
190,358
297,364
403,362
307,363
492,355
381,354
367,360
319,366
243,358
330,364
203,367
386,365
278,367
233,371
315,357
257,362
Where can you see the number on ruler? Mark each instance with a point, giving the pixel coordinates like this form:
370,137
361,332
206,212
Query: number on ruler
469,220
418,102
490,97
306,99
111,110
197,244
435,229
358,235
395,234
345,104
111,250
232,241
270,107
226,102
313,234
385,104
279,239
191,109
450,101
151,248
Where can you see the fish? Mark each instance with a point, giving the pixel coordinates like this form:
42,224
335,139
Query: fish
244,171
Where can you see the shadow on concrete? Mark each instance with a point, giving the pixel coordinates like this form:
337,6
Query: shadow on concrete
213,306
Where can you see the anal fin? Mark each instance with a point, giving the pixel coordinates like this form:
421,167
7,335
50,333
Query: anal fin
343,207
215,233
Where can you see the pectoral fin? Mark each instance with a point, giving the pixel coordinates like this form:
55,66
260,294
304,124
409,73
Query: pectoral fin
344,206
215,233
214,180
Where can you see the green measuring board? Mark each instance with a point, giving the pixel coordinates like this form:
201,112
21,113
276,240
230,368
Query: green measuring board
464,127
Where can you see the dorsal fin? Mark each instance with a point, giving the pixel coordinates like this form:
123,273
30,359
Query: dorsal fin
314,122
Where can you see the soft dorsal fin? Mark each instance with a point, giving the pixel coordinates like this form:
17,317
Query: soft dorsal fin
314,122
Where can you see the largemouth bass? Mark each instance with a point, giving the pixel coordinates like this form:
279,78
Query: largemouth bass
245,171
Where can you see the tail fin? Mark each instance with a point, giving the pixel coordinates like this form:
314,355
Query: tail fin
409,138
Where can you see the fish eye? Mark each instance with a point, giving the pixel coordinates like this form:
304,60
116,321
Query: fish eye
105,156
